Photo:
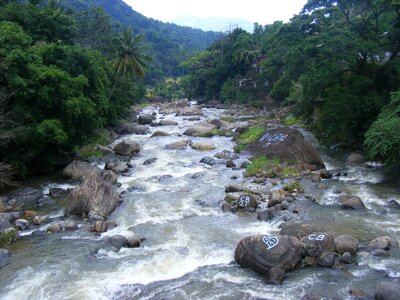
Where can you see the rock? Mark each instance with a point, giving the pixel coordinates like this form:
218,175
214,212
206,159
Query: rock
127,148
45,201
325,174
202,146
58,193
351,202
121,168
262,253
394,204
104,149
347,258
6,219
230,164
299,230
355,159
211,161
131,128
358,294
159,133
383,243
275,276
226,207
53,228
94,216
103,226
190,111
245,164
346,243
200,129
247,202
233,188
21,224
387,291
146,119
38,220
118,241
167,123
286,144
326,260
68,225
4,257
226,155
265,215
180,145
164,178
316,178
136,243
25,196
79,170
96,193
149,161
380,253
276,197
318,243
310,261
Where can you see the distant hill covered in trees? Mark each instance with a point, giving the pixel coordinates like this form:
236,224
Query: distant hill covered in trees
170,44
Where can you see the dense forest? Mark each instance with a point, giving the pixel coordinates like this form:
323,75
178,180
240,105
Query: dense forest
169,43
60,82
336,62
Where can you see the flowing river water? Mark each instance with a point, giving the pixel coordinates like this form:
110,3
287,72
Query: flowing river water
190,242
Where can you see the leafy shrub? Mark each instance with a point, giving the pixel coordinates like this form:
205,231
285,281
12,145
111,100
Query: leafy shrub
250,136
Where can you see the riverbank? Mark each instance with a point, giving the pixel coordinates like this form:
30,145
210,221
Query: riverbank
172,195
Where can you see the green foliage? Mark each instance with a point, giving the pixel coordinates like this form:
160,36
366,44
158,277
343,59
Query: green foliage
259,164
7,237
382,140
292,120
271,168
250,136
293,187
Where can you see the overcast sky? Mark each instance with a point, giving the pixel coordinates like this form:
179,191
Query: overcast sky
261,11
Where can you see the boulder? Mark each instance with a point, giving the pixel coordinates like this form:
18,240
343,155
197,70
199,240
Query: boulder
275,276
127,148
262,253
247,202
226,154
299,230
96,193
4,257
351,202
68,225
232,188
276,197
327,260
146,119
131,128
45,201
79,170
103,226
25,196
104,149
167,123
58,193
118,241
387,291
318,243
346,257
21,224
150,161
53,228
211,161
355,159
286,144
202,146
200,129
179,145
382,243
159,133
190,111
346,243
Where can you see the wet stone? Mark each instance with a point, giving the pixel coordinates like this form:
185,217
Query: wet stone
318,243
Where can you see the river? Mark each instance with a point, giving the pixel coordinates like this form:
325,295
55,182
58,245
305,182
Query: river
190,242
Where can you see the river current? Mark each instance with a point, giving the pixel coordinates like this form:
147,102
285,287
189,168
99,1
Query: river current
190,242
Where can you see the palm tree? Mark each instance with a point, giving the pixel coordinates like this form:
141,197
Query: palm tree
131,58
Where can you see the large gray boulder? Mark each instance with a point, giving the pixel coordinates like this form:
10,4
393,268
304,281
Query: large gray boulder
127,148
318,243
146,119
96,193
131,128
351,202
287,144
25,196
387,291
346,243
190,111
200,129
79,170
262,253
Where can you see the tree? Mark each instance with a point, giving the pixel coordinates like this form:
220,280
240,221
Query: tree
131,59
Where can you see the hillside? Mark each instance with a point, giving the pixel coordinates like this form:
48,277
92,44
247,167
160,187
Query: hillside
171,44
214,23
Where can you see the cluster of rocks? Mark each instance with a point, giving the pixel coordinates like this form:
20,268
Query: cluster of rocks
300,246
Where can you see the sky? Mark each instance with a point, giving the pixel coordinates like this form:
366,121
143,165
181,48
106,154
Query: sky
261,11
